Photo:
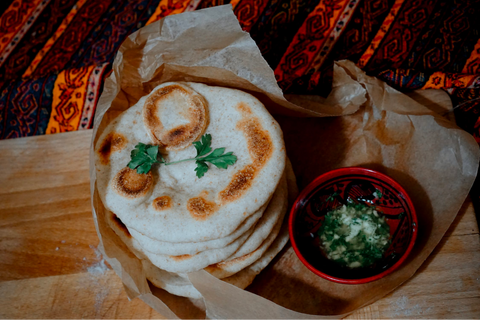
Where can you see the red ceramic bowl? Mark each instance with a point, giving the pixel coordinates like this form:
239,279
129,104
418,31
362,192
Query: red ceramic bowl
360,185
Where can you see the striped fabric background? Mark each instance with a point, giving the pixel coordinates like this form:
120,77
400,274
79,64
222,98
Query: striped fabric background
54,54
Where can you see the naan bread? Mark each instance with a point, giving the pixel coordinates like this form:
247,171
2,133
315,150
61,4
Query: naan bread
179,263
247,243
261,230
179,284
189,263
239,260
170,203
266,226
246,276
229,220
175,116
180,248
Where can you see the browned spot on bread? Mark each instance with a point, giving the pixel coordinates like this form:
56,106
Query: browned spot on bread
212,268
200,208
113,142
152,122
236,260
162,203
183,135
244,108
260,147
259,143
130,184
241,181
177,132
120,224
181,258
225,264
176,135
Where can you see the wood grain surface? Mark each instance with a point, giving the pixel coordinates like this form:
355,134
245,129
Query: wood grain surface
50,268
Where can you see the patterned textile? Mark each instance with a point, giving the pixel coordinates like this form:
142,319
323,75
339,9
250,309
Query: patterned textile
54,54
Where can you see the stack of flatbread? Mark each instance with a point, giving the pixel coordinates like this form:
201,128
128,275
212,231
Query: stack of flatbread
229,222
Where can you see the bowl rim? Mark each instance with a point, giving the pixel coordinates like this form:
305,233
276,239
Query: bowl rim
337,173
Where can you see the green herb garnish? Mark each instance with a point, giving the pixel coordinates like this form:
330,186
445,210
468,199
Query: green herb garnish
218,157
144,156
332,197
377,194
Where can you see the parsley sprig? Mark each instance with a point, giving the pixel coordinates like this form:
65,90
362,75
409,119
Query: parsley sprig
143,157
331,198
218,157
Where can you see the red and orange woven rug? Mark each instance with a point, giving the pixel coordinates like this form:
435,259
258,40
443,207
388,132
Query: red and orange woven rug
54,54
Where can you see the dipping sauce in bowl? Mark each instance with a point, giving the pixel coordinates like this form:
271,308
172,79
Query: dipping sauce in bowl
353,225
354,235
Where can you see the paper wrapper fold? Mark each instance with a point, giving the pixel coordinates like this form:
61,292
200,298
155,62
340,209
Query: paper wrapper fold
363,122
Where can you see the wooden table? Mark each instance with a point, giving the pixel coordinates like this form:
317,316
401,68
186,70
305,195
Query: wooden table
50,268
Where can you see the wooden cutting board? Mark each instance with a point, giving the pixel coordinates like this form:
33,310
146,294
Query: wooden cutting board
50,267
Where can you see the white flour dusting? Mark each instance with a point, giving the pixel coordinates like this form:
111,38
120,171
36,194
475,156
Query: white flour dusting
97,279
98,268
403,307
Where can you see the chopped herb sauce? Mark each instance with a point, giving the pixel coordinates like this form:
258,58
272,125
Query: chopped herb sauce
354,235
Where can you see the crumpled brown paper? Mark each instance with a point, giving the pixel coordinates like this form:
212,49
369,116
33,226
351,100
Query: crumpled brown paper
363,122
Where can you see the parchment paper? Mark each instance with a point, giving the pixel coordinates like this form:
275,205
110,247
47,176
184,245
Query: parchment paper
362,122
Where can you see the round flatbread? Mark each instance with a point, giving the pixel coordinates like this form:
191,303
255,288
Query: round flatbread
239,260
171,204
244,256
261,229
175,116
179,284
246,276
245,247
189,263
178,263
180,248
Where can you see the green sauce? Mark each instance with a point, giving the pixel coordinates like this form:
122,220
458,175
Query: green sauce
354,235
